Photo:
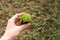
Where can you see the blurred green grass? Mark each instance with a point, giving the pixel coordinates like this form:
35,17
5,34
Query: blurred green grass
46,18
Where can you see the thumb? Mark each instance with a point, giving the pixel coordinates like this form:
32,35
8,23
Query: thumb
24,26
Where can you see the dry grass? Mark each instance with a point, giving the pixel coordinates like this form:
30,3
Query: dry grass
46,18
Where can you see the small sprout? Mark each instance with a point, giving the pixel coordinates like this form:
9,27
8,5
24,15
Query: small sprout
25,18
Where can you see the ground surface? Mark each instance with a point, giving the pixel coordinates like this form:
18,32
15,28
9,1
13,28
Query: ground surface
46,18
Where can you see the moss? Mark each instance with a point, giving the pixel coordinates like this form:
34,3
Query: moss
25,18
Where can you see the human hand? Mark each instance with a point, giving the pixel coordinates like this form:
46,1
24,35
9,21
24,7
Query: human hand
14,27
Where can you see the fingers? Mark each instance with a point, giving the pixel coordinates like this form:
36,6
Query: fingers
24,26
15,17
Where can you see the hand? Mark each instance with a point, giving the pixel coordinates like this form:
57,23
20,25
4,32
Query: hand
14,27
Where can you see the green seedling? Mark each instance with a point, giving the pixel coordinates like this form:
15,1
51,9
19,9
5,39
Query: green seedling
25,18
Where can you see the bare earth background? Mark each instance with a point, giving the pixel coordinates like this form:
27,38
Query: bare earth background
46,18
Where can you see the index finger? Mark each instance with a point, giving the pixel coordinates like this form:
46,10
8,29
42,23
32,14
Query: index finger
15,17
